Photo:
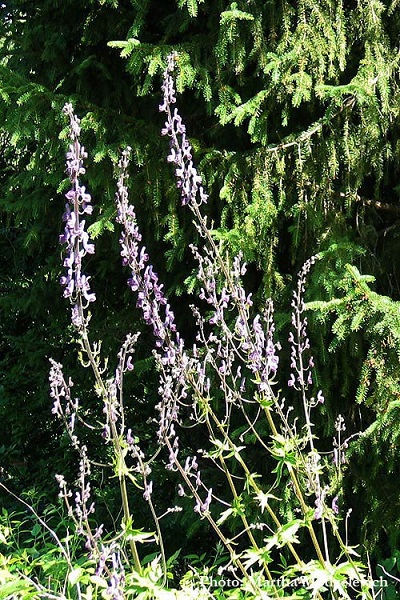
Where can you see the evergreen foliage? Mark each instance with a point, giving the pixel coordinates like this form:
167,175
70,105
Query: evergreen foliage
293,109
359,309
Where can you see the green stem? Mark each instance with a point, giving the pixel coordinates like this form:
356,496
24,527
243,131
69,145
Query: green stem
116,444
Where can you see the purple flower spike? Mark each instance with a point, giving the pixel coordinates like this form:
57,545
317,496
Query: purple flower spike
188,180
76,239
301,363
157,313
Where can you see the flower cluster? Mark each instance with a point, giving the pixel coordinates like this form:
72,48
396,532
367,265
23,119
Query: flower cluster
144,280
234,352
301,375
110,564
320,505
256,341
313,467
66,408
157,313
76,238
193,475
340,445
188,180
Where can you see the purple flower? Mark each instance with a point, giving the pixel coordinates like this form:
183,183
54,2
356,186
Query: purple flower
319,508
148,491
202,507
335,505
129,439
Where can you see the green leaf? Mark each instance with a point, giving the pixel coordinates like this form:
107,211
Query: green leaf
285,535
225,515
36,529
98,581
75,575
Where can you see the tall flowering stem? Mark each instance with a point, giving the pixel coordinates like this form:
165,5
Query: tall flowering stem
301,380
75,236
181,155
235,357
80,504
251,343
248,343
302,364
77,290
182,375
157,313
259,347
78,245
